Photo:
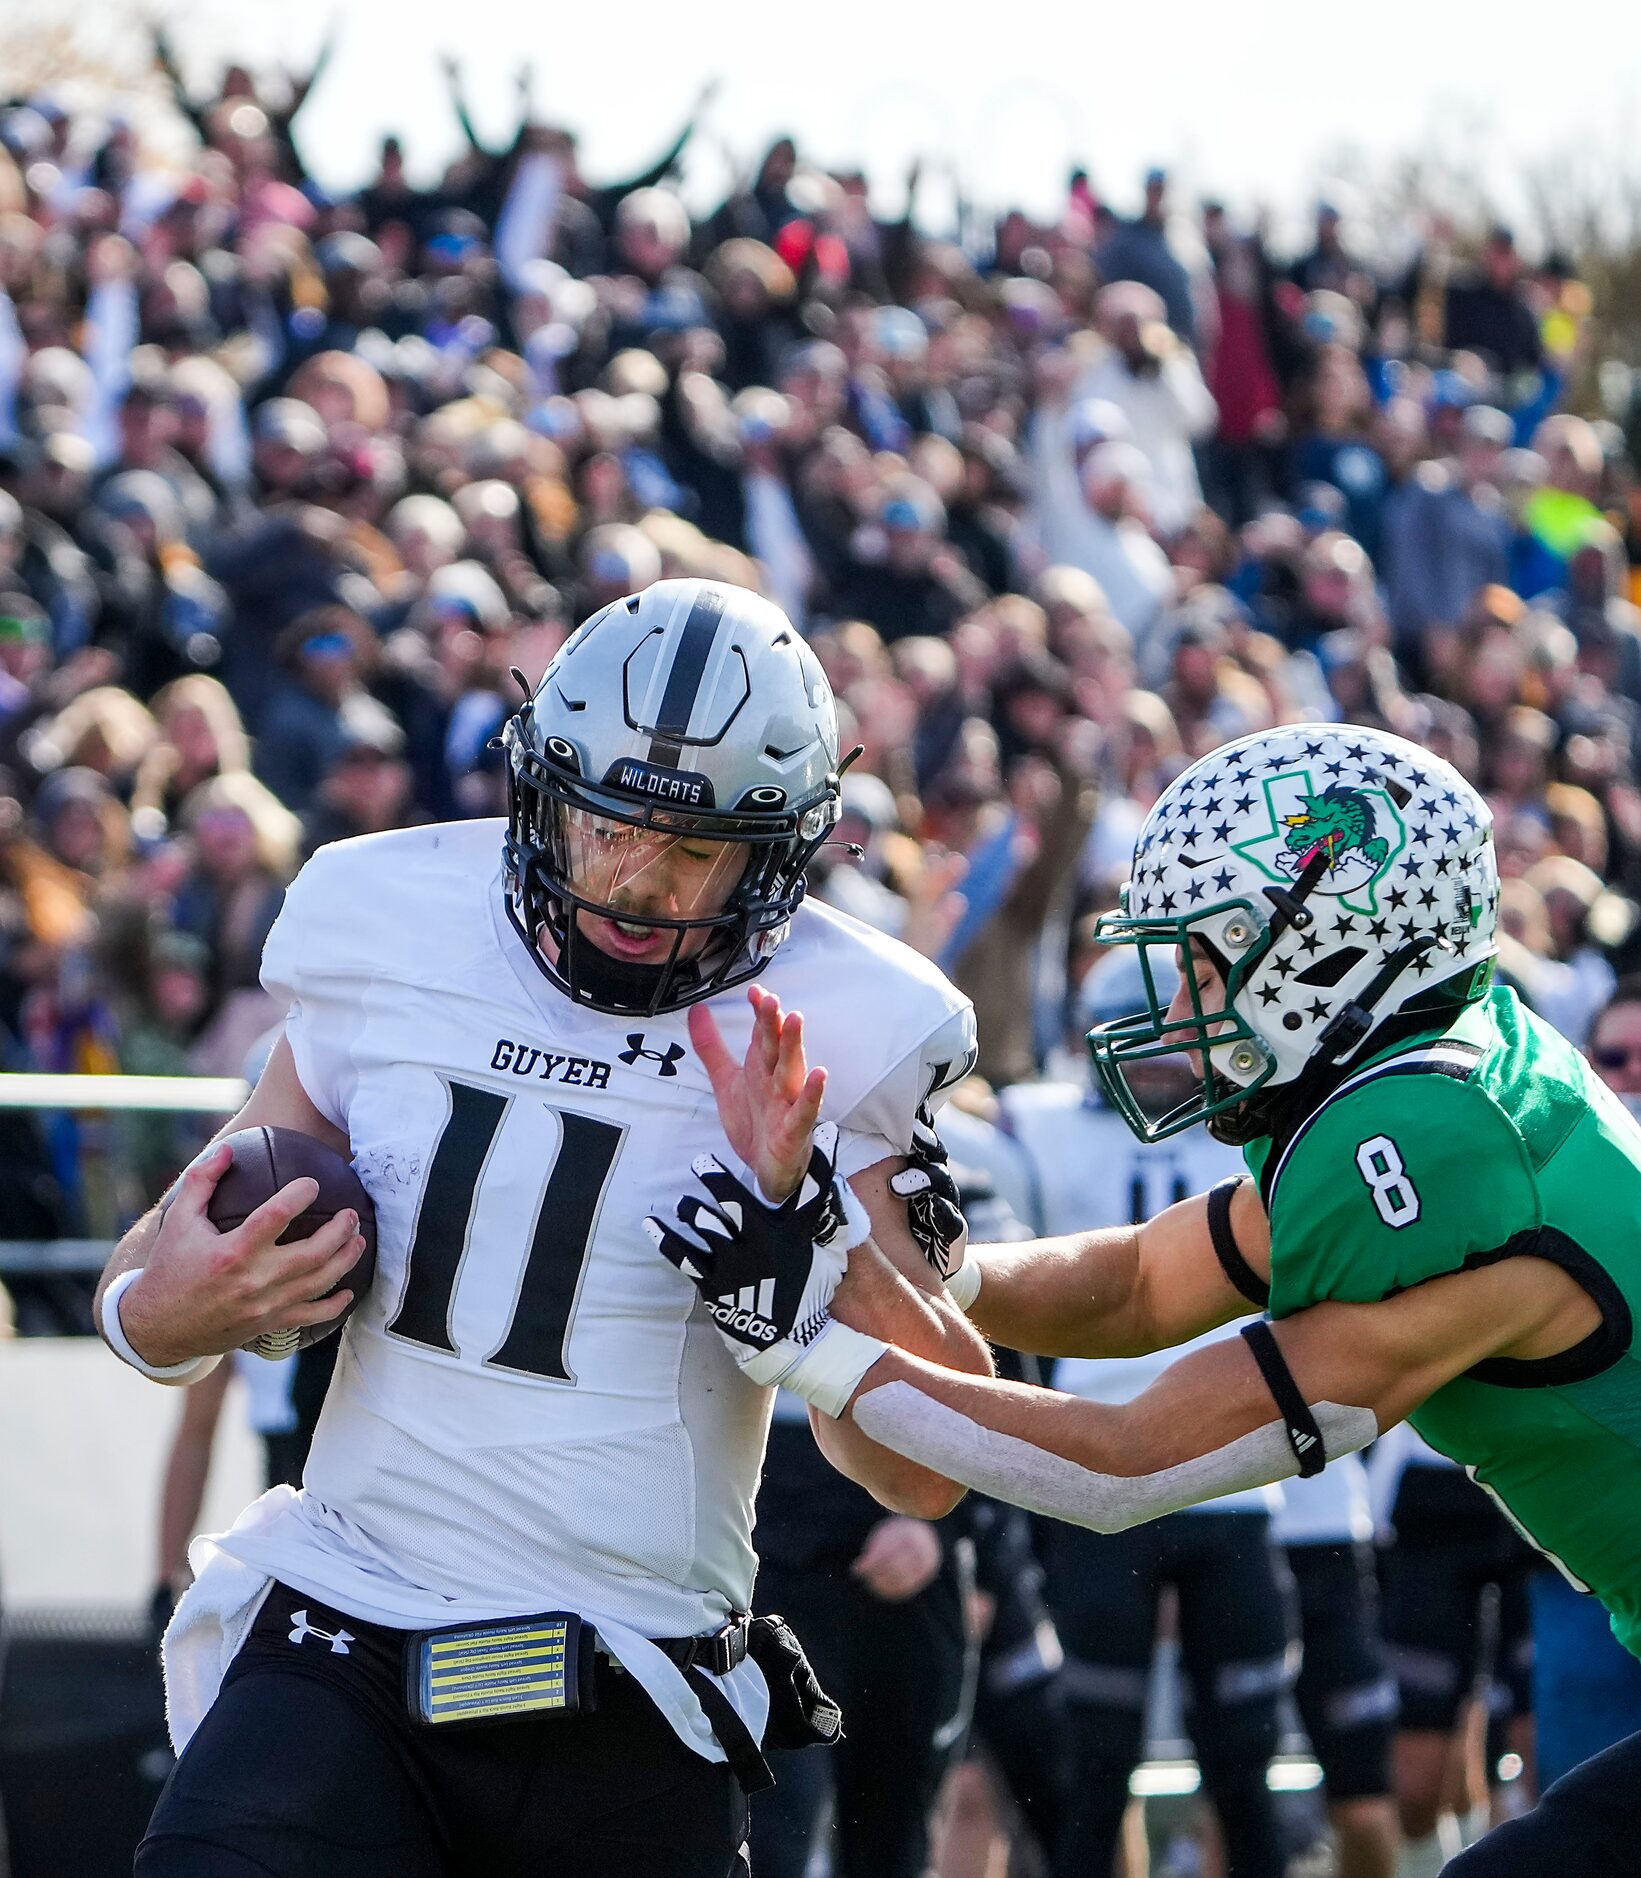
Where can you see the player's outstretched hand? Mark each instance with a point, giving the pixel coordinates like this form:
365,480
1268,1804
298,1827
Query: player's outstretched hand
770,1101
204,1292
766,1273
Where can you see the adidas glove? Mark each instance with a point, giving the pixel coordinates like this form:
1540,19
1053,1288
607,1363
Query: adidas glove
934,1213
767,1273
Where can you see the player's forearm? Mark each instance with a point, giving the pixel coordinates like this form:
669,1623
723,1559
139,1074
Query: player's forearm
1089,1433
128,1254
1100,1466
181,1496
897,1483
186,1472
1072,1296
875,1298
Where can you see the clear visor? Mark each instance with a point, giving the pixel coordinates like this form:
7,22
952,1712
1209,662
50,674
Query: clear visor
644,873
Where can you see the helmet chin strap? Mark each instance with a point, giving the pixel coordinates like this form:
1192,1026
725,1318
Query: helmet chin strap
621,986
624,982
1354,1023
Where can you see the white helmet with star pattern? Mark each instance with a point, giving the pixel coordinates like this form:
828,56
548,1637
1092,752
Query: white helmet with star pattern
1335,876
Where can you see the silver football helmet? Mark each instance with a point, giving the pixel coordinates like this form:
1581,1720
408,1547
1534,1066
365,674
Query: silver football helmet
1336,877
668,783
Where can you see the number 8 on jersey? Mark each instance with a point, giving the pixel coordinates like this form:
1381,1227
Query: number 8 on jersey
1380,1163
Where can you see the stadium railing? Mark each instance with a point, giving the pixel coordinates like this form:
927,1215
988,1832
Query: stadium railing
43,1094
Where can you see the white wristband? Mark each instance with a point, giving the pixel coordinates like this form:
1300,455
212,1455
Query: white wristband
857,1222
829,1371
963,1287
173,1374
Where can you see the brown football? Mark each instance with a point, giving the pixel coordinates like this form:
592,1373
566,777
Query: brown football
266,1159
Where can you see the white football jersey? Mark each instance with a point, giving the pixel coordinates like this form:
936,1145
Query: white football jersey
531,1410
1089,1169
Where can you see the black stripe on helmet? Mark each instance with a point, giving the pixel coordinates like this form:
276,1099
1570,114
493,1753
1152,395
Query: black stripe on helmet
689,663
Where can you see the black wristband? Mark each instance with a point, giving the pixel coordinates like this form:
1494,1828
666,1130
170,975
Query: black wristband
1299,1424
1234,1265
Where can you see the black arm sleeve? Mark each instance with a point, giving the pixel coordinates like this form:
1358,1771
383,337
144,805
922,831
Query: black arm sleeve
605,201
1304,1437
1234,1265
165,58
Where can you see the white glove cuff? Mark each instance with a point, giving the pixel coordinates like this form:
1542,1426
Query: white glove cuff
832,1365
963,1287
857,1222
173,1375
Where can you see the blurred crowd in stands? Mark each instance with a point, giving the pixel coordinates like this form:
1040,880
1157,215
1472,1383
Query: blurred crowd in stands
292,482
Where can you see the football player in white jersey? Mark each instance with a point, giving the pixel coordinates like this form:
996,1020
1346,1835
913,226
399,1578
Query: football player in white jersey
531,1487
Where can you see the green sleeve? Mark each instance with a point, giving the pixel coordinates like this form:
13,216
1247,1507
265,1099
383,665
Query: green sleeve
1402,1180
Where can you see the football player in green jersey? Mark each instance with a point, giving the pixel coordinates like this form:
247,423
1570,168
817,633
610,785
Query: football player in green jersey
1440,1216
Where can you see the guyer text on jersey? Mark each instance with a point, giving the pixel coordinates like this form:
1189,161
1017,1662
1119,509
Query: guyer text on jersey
525,1059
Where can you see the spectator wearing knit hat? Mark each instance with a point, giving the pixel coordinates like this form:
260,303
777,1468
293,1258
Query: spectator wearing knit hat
309,716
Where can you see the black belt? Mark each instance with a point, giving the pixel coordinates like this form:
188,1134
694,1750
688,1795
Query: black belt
718,1653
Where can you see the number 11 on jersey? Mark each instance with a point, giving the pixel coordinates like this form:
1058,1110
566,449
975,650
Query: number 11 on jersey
561,1232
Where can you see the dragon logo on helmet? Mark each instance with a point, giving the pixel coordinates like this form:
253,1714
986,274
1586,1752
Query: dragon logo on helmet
1337,823
1358,830
1339,876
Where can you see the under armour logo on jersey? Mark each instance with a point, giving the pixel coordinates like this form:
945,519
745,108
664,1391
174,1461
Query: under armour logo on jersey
668,1059
301,1629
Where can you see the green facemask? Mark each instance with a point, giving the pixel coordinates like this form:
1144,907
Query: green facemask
1151,1033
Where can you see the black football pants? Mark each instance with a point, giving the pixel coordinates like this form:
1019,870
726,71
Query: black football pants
308,1766
1234,1622
897,1671
1588,1825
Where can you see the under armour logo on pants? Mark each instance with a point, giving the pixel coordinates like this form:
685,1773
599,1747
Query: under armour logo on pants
302,1629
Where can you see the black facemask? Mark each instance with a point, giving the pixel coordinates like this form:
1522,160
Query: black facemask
622,984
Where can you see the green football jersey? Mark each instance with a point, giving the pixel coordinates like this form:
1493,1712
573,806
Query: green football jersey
1490,1139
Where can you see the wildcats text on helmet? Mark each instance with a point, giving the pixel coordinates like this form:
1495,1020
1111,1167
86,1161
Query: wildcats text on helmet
691,700
666,785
